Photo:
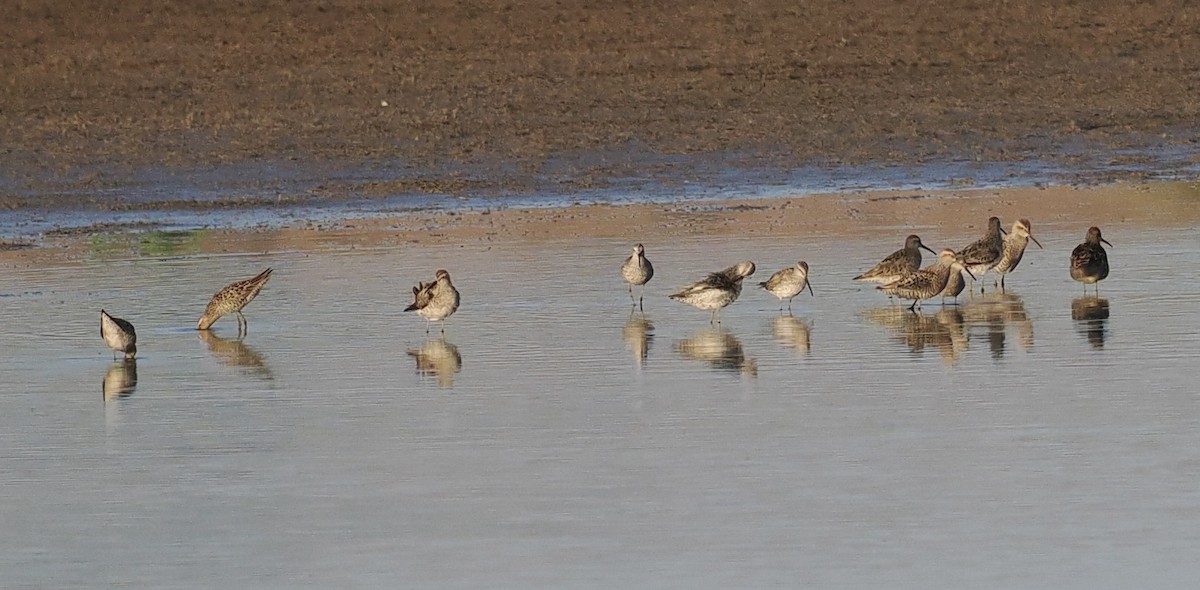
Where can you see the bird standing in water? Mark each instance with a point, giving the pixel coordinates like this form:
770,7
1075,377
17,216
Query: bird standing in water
637,270
1014,248
118,334
716,290
898,263
232,299
984,253
788,283
1089,261
435,301
926,283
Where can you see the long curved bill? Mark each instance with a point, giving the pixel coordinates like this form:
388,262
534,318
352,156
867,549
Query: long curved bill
1035,241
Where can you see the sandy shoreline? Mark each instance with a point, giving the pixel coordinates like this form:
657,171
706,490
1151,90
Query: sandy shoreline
953,213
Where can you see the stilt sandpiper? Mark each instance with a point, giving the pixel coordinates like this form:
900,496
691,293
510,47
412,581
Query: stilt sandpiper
984,253
1014,248
637,270
118,334
716,290
435,301
232,299
788,283
897,264
1089,261
926,283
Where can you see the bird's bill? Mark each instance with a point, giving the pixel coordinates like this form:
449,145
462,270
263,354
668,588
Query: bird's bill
964,268
927,249
1003,232
809,285
1035,241
1106,242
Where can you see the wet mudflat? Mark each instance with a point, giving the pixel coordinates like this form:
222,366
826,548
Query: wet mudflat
554,439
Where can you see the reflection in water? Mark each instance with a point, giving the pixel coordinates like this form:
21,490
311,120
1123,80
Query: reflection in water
791,332
943,331
438,359
235,353
995,312
120,380
718,348
1090,313
638,335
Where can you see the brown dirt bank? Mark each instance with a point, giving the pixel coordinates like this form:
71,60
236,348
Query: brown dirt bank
112,86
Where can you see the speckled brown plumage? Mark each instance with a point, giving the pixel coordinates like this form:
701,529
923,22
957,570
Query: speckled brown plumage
232,299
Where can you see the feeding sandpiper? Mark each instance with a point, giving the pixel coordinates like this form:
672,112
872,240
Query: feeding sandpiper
232,299
118,334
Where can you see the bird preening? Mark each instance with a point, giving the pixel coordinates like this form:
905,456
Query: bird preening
435,301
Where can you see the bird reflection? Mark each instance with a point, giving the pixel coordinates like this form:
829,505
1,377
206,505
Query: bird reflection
120,380
438,359
718,348
995,313
1090,314
639,335
235,353
943,331
791,332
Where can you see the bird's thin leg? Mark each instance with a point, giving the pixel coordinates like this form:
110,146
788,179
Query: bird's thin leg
913,307
1002,283
443,327
631,292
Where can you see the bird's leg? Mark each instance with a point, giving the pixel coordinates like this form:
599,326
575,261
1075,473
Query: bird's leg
913,307
1002,283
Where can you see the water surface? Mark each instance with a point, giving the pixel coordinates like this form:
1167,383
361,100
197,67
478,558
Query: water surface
552,439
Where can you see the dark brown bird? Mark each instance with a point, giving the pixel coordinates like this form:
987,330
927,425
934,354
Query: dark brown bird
1089,261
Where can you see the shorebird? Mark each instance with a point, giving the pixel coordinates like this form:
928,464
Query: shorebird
954,286
926,283
435,301
897,264
788,283
118,334
1014,248
984,253
716,290
1089,261
232,299
637,270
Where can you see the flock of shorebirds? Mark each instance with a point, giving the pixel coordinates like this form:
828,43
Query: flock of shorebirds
899,275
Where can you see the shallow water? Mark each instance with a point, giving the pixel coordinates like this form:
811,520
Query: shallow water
552,439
